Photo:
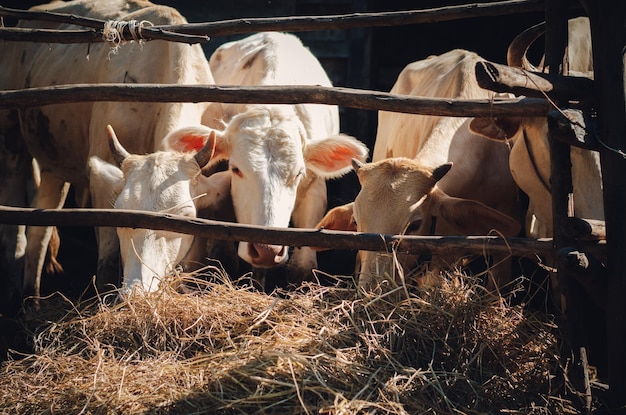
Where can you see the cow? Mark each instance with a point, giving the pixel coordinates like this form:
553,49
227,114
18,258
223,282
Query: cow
530,154
64,137
163,181
426,167
279,156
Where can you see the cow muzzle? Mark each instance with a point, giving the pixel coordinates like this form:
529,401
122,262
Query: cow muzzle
263,255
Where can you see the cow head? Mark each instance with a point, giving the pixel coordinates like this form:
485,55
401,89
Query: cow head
268,156
165,182
400,196
529,162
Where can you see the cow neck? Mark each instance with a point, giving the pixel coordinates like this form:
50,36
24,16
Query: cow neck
533,162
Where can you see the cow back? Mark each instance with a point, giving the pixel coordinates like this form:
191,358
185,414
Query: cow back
481,170
63,136
450,75
272,58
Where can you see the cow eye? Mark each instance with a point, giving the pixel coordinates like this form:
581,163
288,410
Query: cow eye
298,176
235,171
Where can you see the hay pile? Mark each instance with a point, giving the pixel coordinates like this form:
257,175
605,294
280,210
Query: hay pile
227,348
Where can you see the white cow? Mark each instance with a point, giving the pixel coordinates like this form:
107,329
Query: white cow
64,137
279,156
164,181
410,180
530,155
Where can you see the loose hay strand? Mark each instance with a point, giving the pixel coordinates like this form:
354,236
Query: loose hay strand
199,346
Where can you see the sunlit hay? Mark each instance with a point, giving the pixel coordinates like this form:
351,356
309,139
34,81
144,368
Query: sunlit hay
449,349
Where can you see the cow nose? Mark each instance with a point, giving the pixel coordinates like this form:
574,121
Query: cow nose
264,255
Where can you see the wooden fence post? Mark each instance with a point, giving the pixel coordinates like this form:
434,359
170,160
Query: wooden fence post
556,39
609,40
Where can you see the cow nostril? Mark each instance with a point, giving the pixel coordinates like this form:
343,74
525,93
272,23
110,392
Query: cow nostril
280,255
266,255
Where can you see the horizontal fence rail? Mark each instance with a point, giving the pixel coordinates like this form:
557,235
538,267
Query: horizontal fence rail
81,36
249,25
320,238
347,97
91,36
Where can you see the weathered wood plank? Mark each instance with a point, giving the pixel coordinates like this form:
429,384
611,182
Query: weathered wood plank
588,271
293,23
347,97
503,78
291,237
574,306
572,127
91,35
584,229
609,42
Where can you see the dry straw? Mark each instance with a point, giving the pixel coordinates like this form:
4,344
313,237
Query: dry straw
204,345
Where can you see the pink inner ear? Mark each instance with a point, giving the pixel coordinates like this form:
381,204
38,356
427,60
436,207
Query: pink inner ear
330,160
190,142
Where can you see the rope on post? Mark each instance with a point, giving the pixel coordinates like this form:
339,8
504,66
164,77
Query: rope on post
113,32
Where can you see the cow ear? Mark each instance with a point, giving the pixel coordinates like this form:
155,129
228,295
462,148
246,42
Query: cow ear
498,129
339,219
190,139
469,217
105,181
356,164
332,156
441,171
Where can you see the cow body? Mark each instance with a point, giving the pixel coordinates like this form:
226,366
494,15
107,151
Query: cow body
479,167
475,196
279,155
64,137
530,155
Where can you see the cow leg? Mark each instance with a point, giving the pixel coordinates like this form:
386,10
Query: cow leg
309,209
51,195
109,261
15,171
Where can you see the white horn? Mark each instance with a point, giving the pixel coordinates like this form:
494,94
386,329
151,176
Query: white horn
118,152
516,54
206,152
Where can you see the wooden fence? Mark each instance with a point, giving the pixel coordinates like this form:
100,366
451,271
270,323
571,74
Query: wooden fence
608,41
